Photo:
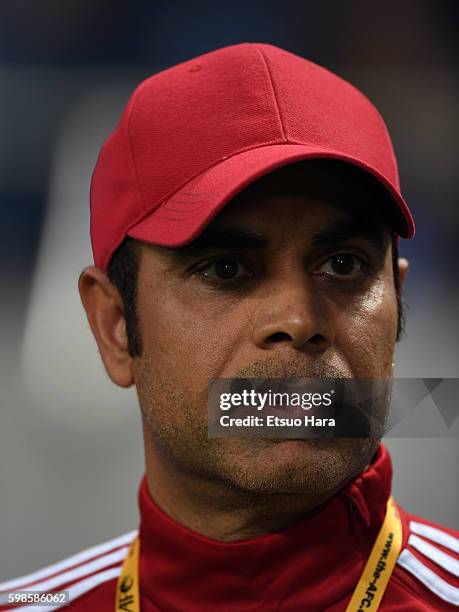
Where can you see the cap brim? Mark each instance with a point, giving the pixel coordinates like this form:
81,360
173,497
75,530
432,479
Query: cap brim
184,215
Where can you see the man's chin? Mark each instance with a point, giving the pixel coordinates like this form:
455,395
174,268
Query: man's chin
300,466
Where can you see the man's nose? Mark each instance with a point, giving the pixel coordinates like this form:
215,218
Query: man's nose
293,313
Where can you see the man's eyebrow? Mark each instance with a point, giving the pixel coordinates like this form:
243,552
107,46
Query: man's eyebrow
215,238
232,238
352,227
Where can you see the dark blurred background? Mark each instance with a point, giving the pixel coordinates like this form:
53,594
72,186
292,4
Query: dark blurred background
69,440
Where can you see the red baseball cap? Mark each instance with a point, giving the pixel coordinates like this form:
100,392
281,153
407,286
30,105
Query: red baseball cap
193,136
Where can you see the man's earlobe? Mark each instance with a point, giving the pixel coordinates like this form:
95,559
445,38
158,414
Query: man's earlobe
403,265
104,309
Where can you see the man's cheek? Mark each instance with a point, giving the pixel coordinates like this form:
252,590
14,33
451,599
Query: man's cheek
186,355
201,342
369,337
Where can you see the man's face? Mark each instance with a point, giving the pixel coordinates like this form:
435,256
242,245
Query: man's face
293,278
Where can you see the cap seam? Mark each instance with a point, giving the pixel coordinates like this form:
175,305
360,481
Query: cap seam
271,81
138,185
377,113
391,149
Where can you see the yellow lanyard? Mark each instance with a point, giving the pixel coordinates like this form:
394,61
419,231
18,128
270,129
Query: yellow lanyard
127,589
368,592
380,564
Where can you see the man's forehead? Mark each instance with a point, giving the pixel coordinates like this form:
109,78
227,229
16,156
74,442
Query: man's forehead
270,209
334,225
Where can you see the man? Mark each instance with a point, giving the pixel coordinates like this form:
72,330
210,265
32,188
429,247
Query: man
245,222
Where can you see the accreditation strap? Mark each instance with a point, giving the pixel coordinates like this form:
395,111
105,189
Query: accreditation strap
380,564
368,592
127,589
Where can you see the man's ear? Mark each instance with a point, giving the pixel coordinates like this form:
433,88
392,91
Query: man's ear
104,309
403,265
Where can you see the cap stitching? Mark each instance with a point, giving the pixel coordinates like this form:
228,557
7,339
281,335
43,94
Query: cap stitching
380,118
268,71
138,185
391,149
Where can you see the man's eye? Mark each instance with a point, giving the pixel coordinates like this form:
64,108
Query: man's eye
343,265
225,269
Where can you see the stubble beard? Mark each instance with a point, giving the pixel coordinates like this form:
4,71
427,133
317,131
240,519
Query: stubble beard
176,429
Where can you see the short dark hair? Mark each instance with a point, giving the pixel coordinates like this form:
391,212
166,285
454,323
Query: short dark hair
123,273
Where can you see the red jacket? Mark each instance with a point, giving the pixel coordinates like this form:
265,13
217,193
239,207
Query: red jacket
312,566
